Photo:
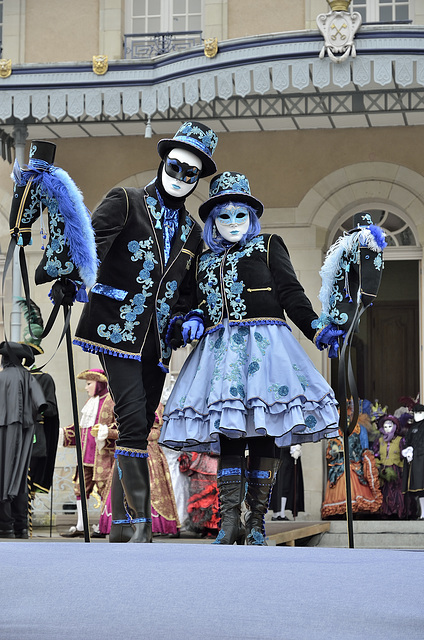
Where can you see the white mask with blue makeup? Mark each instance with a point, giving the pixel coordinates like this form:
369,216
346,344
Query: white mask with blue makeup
233,222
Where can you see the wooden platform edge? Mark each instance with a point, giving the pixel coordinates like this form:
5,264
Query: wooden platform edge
289,537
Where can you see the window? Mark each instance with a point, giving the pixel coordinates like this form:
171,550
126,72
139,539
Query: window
154,16
155,27
398,232
383,10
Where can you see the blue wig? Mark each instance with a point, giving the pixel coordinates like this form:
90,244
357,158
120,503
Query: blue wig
215,242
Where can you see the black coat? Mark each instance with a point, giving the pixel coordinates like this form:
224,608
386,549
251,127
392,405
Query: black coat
134,287
255,283
21,398
413,472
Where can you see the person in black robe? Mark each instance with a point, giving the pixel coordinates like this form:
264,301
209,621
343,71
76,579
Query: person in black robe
21,398
288,491
413,475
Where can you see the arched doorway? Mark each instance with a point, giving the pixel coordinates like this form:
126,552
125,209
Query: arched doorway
386,349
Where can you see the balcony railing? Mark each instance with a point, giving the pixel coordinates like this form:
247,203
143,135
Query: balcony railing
149,45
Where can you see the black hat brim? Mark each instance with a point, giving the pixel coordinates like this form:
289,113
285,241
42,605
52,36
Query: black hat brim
206,207
19,350
208,165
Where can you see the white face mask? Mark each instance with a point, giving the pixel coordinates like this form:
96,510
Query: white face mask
418,416
173,186
233,223
388,426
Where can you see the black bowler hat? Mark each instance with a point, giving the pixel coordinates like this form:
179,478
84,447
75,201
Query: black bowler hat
229,186
197,138
41,150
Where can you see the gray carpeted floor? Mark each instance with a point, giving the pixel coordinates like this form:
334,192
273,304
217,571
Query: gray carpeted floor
180,591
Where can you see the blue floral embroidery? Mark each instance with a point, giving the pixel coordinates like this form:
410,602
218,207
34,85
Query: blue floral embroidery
280,391
33,210
228,181
206,141
155,210
310,422
129,312
301,377
162,313
54,267
218,348
210,263
378,261
186,228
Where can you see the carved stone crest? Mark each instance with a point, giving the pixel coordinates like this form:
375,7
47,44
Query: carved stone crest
211,47
339,27
5,68
100,65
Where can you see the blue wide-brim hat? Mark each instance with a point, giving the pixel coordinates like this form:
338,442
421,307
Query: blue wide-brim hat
197,138
229,186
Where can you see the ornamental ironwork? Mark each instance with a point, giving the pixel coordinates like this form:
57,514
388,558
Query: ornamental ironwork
150,45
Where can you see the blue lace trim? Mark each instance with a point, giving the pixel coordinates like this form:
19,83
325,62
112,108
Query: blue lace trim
110,292
127,521
95,348
258,474
234,471
137,520
195,313
248,323
132,453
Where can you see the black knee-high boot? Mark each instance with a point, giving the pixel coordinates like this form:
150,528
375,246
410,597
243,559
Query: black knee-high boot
261,475
121,529
232,489
135,479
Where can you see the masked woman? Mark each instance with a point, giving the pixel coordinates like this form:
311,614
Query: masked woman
248,384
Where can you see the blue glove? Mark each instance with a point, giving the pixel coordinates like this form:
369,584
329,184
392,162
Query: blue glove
192,329
329,337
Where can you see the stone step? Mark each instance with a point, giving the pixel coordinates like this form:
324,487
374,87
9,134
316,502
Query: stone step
374,534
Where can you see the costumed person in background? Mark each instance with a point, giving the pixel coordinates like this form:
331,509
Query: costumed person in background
164,509
413,474
365,486
248,383
21,400
43,457
147,244
98,436
203,504
387,450
288,492
180,481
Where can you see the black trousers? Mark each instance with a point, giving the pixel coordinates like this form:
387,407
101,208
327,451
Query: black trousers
14,513
136,388
262,446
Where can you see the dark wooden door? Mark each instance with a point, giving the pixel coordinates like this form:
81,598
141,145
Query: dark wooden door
391,365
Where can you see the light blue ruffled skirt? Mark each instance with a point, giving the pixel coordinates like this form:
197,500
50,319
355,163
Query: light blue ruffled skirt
248,381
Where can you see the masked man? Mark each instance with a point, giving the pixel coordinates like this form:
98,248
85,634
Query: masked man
147,244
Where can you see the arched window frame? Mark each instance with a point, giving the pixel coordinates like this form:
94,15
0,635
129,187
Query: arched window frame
412,251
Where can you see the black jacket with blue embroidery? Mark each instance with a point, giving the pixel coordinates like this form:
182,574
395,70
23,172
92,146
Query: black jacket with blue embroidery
254,284
134,287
